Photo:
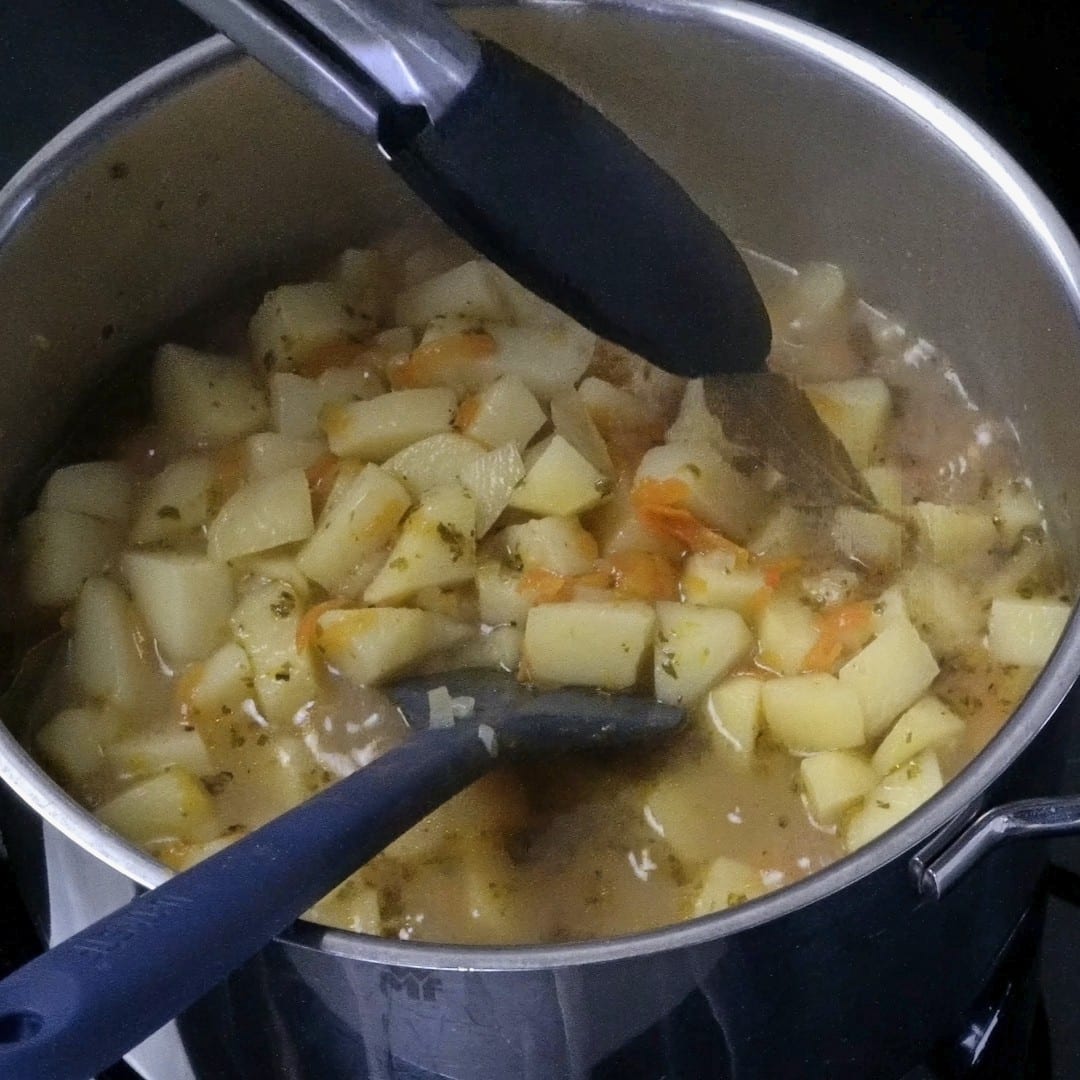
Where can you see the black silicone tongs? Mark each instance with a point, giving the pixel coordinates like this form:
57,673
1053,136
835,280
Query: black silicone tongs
532,176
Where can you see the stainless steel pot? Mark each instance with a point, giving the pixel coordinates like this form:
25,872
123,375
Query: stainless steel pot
205,172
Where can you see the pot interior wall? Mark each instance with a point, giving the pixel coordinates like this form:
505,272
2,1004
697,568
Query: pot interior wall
233,180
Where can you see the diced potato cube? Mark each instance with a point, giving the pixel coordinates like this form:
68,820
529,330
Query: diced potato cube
377,429
857,412
928,725
572,421
833,782
396,339
180,856
525,307
360,517
1026,631
506,411
269,779
448,326
255,570
954,535
361,280
696,422
185,600
712,578
170,806
944,608
297,402
716,492
612,407
889,607
787,631
870,539
885,484
695,646
682,808
733,716
546,359
147,752
221,682
617,528
73,742
353,905
1016,510
371,645
201,398
501,601
491,480
890,674
809,713
176,501
437,546
727,883
560,481
60,550
433,462
107,649
293,320
270,454
265,623
558,544
263,514
100,489
469,289
585,643
812,304
897,795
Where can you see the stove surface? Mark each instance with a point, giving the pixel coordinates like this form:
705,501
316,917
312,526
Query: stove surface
1011,66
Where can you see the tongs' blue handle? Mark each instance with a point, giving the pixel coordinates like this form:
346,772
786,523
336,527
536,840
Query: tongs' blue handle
78,1008
531,175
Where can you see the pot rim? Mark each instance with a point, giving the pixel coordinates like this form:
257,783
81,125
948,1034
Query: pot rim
1059,249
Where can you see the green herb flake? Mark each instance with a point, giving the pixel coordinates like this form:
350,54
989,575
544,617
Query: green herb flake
453,538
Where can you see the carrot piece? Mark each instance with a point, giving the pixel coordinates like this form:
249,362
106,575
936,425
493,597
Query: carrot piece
446,362
540,586
841,628
645,575
321,475
661,507
309,621
466,413
776,569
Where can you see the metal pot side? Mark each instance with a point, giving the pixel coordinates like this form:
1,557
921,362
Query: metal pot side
205,173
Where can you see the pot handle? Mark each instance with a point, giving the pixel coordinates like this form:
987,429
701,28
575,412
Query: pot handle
937,869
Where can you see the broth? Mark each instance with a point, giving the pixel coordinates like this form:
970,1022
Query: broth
222,660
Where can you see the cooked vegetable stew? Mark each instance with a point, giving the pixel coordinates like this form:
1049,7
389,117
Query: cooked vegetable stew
419,466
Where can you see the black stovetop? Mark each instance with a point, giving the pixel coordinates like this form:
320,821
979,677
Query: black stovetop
1014,67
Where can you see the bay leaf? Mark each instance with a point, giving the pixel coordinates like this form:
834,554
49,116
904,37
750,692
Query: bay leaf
771,417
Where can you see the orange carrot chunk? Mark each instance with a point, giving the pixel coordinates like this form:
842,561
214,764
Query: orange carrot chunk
449,361
841,628
661,507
